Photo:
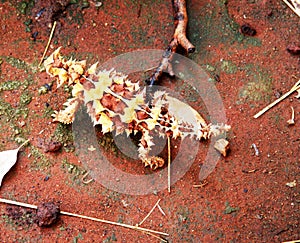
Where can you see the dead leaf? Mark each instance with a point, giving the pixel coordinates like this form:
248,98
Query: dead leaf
7,160
222,145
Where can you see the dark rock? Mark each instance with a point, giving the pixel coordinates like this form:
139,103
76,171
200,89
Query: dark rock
47,214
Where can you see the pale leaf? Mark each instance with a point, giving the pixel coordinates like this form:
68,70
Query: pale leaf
7,160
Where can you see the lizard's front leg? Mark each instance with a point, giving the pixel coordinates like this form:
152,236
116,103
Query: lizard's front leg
144,149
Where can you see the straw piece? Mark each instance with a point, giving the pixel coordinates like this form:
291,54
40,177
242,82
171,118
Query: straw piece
293,6
292,120
203,184
162,239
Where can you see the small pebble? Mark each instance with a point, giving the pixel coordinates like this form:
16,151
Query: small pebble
98,4
293,49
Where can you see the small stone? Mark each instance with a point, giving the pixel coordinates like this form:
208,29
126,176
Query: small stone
49,145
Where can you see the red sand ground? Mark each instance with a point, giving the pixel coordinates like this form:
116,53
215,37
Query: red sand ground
246,198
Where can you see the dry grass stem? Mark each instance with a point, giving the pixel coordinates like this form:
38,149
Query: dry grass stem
114,223
250,171
169,165
87,217
292,90
48,44
23,144
147,216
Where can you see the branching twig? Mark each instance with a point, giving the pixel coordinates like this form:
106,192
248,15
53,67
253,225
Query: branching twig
296,87
179,38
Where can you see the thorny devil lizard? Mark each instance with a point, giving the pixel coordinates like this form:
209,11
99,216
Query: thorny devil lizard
118,104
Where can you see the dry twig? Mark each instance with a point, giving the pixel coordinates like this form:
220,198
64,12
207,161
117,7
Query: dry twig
296,87
149,231
292,120
203,184
179,38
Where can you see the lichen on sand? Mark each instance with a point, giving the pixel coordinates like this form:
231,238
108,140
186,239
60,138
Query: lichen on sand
258,88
